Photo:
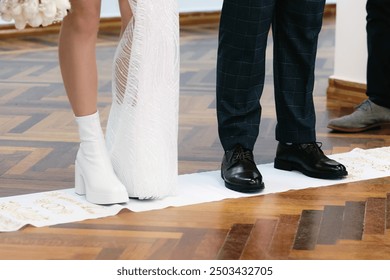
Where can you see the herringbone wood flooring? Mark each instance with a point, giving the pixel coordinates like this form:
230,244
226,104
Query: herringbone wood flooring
38,143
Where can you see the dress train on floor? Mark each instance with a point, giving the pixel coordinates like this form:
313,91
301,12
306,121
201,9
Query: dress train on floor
142,128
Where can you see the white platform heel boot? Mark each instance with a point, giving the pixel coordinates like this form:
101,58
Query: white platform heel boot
94,174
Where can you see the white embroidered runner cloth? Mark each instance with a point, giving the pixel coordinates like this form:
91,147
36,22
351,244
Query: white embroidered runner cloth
63,206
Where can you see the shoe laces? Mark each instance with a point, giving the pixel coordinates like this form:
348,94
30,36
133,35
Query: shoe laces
241,154
365,105
312,147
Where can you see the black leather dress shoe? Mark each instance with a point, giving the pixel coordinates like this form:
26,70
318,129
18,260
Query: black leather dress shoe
239,171
308,159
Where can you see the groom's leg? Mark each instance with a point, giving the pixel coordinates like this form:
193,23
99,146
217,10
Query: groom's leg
240,80
296,27
244,28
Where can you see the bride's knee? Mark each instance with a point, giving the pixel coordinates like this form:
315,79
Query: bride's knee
84,17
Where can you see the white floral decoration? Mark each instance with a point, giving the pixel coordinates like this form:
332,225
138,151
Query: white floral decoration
33,12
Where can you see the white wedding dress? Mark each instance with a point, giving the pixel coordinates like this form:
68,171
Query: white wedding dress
142,128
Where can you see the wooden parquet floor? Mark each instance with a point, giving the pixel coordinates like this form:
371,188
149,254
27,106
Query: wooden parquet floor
38,144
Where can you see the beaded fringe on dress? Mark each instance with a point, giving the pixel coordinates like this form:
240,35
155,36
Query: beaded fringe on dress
142,128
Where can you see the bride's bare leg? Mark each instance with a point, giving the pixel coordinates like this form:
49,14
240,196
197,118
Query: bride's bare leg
77,55
126,14
94,174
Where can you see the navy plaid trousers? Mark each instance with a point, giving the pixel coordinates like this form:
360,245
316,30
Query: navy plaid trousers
378,45
244,29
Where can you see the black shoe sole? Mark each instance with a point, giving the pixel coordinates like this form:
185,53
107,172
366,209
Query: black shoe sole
245,189
289,166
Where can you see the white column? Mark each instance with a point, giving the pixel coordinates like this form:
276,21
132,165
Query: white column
351,46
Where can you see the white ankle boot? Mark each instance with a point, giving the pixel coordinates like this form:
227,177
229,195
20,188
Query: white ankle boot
95,175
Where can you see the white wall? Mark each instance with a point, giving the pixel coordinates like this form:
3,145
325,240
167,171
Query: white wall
350,48
110,7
